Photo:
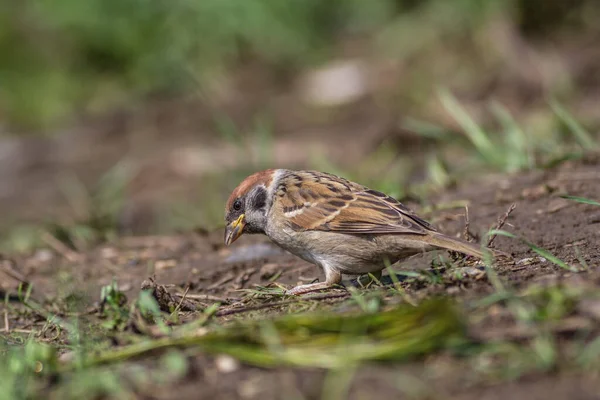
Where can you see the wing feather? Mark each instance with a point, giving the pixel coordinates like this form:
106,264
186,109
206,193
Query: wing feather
318,201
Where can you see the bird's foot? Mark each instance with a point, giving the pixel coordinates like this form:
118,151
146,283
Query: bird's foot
302,289
332,278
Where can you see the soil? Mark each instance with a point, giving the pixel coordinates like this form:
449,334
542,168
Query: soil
199,264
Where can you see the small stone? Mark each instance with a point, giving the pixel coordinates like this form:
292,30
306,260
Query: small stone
43,255
108,252
201,331
67,357
534,193
125,287
165,264
469,271
530,260
226,364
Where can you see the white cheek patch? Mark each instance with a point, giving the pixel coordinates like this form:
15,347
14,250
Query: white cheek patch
275,180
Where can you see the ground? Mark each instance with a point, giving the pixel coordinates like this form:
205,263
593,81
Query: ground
475,114
530,322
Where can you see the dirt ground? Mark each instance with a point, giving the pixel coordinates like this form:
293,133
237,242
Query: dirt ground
198,263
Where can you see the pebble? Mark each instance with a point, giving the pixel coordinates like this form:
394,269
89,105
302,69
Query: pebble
530,260
43,255
226,364
108,252
165,264
469,271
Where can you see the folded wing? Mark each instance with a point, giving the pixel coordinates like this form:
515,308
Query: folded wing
329,203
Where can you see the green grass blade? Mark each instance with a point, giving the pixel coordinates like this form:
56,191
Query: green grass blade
425,129
519,156
582,200
539,250
473,131
582,136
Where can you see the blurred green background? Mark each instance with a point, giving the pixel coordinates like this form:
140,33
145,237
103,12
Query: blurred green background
139,116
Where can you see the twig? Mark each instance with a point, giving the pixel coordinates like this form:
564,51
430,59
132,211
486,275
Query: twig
27,331
501,222
60,247
279,303
466,233
228,277
187,289
205,297
243,277
7,268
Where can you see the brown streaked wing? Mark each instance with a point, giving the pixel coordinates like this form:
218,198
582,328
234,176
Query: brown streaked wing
312,200
346,207
369,214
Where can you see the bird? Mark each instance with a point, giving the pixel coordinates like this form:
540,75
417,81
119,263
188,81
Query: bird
341,226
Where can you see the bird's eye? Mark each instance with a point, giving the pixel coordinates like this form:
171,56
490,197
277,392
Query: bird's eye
237,205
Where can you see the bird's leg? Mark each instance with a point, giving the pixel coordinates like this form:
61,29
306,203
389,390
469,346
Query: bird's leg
332,277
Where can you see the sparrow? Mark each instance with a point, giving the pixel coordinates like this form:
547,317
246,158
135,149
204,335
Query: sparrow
341,226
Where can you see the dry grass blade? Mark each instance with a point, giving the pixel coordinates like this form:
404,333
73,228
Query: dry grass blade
238,310
500,224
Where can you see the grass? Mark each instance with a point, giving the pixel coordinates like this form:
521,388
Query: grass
581,200
509,149
581,135
313,340
374,332
88,64
512,148
96,211
94,65
22,365
128,343
71,60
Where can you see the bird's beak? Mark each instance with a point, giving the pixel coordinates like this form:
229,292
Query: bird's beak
234,230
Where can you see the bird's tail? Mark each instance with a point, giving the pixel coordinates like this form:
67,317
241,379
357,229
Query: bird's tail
449,243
